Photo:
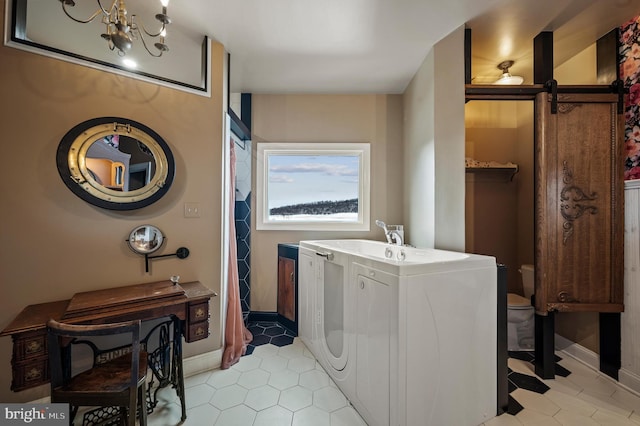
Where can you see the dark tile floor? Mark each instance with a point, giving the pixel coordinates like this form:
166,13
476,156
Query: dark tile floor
268,332
523,381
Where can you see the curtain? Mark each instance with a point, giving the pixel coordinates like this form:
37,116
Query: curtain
236,334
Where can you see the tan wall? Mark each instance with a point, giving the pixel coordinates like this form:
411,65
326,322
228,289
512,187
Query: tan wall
434,148
376,119
55,244
491,198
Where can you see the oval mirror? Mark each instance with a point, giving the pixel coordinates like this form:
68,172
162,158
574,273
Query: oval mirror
145,239
115,163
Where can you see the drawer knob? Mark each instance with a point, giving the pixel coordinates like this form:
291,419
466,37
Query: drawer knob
33,346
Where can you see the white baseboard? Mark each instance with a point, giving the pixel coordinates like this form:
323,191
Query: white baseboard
629,379
203,362
579,352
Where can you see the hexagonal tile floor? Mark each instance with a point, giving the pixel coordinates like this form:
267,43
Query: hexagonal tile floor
268,332
275,385
286,386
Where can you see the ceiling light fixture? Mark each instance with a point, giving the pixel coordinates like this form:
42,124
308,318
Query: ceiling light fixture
121,31
506,77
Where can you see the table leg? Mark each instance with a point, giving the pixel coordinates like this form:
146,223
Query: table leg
178,366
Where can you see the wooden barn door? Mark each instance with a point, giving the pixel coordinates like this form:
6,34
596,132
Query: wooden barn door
579,204
579,219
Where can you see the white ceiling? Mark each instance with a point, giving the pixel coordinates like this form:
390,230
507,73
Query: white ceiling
376,46
350,46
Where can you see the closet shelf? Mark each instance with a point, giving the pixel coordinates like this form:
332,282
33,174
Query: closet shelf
509,171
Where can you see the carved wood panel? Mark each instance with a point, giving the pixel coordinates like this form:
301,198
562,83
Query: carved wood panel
579,204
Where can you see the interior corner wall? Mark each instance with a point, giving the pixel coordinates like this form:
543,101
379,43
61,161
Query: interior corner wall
53,243
434,202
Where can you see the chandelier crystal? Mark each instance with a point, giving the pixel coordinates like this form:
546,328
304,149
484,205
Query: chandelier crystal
122,30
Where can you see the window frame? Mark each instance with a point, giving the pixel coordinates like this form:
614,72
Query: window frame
361,150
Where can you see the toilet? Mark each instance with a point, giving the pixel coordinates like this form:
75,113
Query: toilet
520,314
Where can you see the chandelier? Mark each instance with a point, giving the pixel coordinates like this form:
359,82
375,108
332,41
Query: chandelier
121,30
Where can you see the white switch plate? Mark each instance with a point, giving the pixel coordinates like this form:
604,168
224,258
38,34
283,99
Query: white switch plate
191,210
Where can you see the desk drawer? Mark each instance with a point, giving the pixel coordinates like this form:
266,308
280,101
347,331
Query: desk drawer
198,312
197,326
30,374
197,331
29,345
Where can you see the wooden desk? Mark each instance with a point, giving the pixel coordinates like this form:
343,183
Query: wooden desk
186,304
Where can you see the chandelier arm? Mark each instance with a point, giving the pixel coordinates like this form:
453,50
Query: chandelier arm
164,26
96,13
144,43
105,11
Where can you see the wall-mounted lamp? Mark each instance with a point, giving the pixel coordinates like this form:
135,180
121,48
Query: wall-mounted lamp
506,77
121,30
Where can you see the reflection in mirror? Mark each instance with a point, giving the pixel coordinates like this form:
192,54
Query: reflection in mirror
120,163
145,239
42,27
115,163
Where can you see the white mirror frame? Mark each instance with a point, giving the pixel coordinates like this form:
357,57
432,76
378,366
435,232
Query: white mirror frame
264,150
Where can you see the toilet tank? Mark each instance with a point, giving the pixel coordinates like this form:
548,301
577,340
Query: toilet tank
528,282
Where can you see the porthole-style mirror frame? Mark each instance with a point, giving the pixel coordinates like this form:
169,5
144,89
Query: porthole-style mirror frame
72,166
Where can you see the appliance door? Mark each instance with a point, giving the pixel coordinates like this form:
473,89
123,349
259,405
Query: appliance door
333,272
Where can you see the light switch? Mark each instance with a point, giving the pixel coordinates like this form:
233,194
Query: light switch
191,210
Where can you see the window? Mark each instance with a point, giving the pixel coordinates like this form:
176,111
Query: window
313,186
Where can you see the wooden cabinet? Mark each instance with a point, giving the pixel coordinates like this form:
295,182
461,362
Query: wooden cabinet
579,203
197,325
30,361
288,285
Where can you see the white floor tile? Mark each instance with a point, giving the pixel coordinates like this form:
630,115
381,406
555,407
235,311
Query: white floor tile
202,415
273,416
247,363
564,385
228,397
607,403
346,416
166,414
301,364
520,366
311,416
274,363
253,378
262,398
239,415
198,395
295,398
535,402
568,418
284,379
222,378
197,379
503,420
628,399
329,399
570,403
607,418
534,418
264,351
314,379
